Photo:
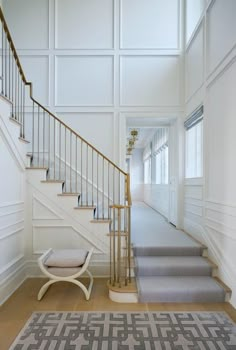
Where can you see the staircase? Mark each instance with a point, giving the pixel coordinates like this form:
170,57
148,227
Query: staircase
77,178
81,185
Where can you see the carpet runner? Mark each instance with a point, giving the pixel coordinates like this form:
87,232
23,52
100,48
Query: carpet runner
169,266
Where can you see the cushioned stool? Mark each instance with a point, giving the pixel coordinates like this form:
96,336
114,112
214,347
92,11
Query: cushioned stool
66,265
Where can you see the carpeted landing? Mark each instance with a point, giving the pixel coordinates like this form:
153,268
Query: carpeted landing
127,331
169,263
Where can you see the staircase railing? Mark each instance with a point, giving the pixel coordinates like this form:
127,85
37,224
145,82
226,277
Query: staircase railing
69,158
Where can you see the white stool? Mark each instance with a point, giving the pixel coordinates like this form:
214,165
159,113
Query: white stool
66,265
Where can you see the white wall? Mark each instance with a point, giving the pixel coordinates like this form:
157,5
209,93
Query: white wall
137,175
91,60
210,202
12,198
157,197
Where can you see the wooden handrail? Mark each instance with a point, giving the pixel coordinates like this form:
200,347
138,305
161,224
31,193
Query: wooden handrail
41,106
128,192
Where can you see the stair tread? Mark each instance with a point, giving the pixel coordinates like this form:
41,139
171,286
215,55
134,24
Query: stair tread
36,168
169,250
23,140
172,266
68,194
170,260
101,221
53,181
180,289
85,207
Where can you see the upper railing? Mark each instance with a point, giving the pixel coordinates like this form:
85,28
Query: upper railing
68,157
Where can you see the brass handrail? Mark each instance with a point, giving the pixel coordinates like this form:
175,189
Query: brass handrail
39,104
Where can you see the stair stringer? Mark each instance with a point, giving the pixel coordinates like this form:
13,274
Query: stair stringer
12,224
10,131
61,225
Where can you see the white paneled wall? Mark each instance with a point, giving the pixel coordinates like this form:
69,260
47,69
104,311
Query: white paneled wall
84,81
150,80
136,33
195,64
100,56
12,220
221,32
32,19
91,125
194,11
84,24
210,202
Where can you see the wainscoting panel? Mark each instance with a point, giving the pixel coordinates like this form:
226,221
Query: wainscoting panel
162,30
195,63
91,20
35,28
36,68
84,81
56,236
91,126
220,25
220,110
150,81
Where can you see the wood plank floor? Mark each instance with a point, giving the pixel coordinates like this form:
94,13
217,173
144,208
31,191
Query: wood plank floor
67,297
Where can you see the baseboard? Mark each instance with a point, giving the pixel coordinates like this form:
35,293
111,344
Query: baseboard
12,282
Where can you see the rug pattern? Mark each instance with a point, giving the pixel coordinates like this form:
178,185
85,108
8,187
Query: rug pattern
127,331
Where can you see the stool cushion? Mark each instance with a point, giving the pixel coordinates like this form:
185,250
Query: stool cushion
66,258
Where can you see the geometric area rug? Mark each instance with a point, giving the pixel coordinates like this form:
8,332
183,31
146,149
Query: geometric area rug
127,331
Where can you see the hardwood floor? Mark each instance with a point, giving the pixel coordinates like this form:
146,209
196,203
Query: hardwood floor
67,297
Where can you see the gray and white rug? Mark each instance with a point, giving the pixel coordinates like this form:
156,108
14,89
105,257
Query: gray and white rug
127,331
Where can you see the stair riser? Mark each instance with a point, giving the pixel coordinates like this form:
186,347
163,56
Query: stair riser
174,297
174,271
168,251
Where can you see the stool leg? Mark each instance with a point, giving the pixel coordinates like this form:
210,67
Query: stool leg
44,288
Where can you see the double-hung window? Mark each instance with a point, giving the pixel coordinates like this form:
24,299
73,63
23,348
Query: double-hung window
147,164
161,155
194,144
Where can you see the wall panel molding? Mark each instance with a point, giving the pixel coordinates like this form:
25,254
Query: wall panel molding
48,212
88,84
195,64
11,232
99,246
14,263
92,23
37,69
139,86
37,12
220,21
228,61
148,33
229,232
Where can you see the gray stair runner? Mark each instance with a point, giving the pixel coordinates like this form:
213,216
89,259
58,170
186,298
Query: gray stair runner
179,289
175,274
172,266
169,265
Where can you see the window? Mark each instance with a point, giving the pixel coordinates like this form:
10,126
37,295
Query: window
147,159
161,159
194,145
147,171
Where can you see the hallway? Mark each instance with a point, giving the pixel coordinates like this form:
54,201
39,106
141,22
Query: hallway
149,229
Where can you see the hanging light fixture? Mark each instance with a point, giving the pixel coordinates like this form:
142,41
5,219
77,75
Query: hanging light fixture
131,141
